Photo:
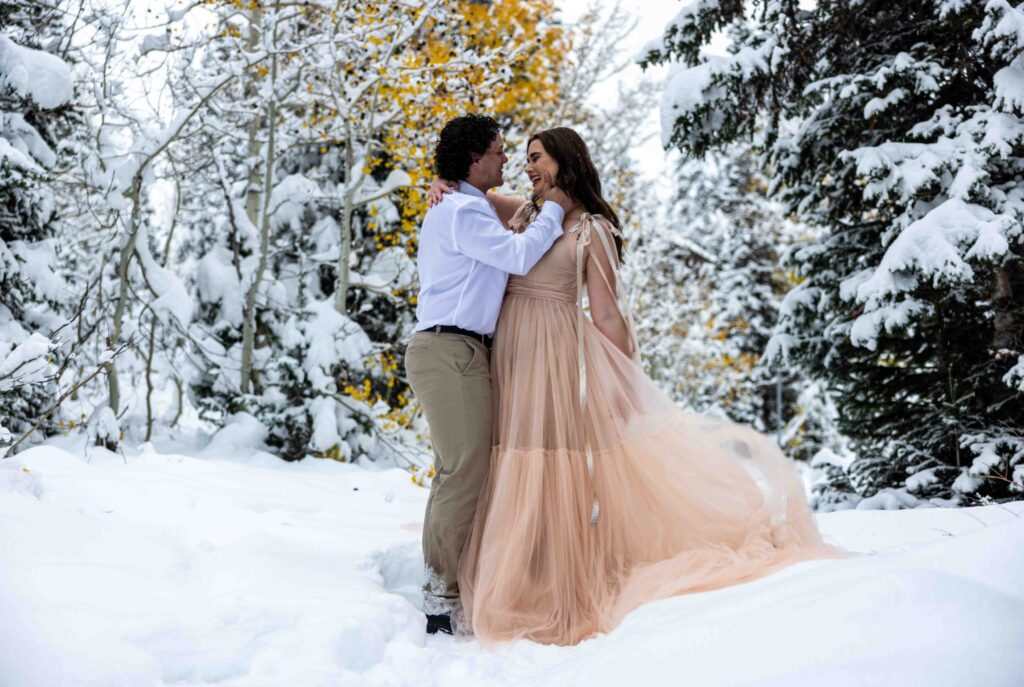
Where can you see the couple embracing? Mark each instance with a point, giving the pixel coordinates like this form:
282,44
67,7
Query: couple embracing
569,489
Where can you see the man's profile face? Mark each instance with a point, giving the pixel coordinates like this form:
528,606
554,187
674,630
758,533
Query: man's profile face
491,164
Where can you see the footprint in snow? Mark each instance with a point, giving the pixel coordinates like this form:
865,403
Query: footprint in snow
401,570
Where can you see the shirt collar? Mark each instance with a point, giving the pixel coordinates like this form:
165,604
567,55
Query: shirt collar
466,187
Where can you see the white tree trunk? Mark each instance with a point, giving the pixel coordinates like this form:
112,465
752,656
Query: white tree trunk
127,251
345,245
249,321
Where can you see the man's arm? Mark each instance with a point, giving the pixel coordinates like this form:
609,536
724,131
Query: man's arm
477,233
505,206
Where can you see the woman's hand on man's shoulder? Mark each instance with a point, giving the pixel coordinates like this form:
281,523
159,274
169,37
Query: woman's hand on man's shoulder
438,189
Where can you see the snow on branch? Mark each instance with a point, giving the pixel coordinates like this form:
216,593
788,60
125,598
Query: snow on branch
35,74
939,247
171,295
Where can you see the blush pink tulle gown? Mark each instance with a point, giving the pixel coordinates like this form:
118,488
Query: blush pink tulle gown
603,495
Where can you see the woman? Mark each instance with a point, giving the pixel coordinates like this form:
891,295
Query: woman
602,494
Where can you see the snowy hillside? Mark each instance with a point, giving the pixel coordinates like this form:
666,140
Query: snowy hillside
165,569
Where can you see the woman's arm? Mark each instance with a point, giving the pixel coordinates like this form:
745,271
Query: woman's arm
505,206
601,289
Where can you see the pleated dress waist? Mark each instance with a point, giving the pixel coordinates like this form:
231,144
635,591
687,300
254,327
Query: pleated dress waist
533,289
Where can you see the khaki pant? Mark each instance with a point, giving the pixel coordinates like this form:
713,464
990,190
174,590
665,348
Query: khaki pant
451,377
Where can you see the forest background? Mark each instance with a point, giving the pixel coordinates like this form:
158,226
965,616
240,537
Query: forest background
208,216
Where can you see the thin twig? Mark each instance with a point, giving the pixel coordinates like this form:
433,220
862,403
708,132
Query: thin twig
39,423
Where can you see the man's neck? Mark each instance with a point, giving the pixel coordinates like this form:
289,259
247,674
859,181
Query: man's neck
473,187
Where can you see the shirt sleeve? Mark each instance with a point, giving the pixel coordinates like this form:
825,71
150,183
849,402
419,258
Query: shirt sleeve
479,234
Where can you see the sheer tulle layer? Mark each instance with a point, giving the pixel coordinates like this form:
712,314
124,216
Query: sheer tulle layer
686,502
536,568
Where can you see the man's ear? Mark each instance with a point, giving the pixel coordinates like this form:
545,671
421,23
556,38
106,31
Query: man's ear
474,158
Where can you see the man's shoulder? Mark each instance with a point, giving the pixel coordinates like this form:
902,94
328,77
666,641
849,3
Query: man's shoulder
452,203
458,201
458,207
453,208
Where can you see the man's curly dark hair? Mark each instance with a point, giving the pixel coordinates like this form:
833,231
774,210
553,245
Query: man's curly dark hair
460,139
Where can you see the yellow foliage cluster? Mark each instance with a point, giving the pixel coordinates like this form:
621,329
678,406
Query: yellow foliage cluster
521,29
398,411
430,80
516,30
727,365
71,425
332,453
800,435
246,5
421,475
361,393
392,413
411,208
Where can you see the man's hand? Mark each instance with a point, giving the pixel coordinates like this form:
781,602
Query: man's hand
439,187
556,195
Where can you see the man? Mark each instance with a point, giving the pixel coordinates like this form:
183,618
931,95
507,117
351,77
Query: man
465,257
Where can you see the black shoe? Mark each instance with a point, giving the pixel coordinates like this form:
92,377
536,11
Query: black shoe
439,623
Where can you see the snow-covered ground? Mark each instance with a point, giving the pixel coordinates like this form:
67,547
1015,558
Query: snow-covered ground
165,569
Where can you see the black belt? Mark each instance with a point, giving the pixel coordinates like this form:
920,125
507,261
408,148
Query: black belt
450,329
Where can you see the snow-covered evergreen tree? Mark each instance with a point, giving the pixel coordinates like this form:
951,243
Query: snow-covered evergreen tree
898,128
722,209
709,289
35,96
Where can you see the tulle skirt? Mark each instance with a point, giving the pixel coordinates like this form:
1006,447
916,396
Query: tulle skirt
683,502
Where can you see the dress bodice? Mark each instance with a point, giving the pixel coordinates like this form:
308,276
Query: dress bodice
555,275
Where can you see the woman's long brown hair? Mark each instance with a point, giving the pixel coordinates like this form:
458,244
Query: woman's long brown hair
577,175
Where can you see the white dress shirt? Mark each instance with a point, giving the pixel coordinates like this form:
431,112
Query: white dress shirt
465,257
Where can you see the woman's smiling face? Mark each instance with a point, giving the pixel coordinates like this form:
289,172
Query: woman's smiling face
539,162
